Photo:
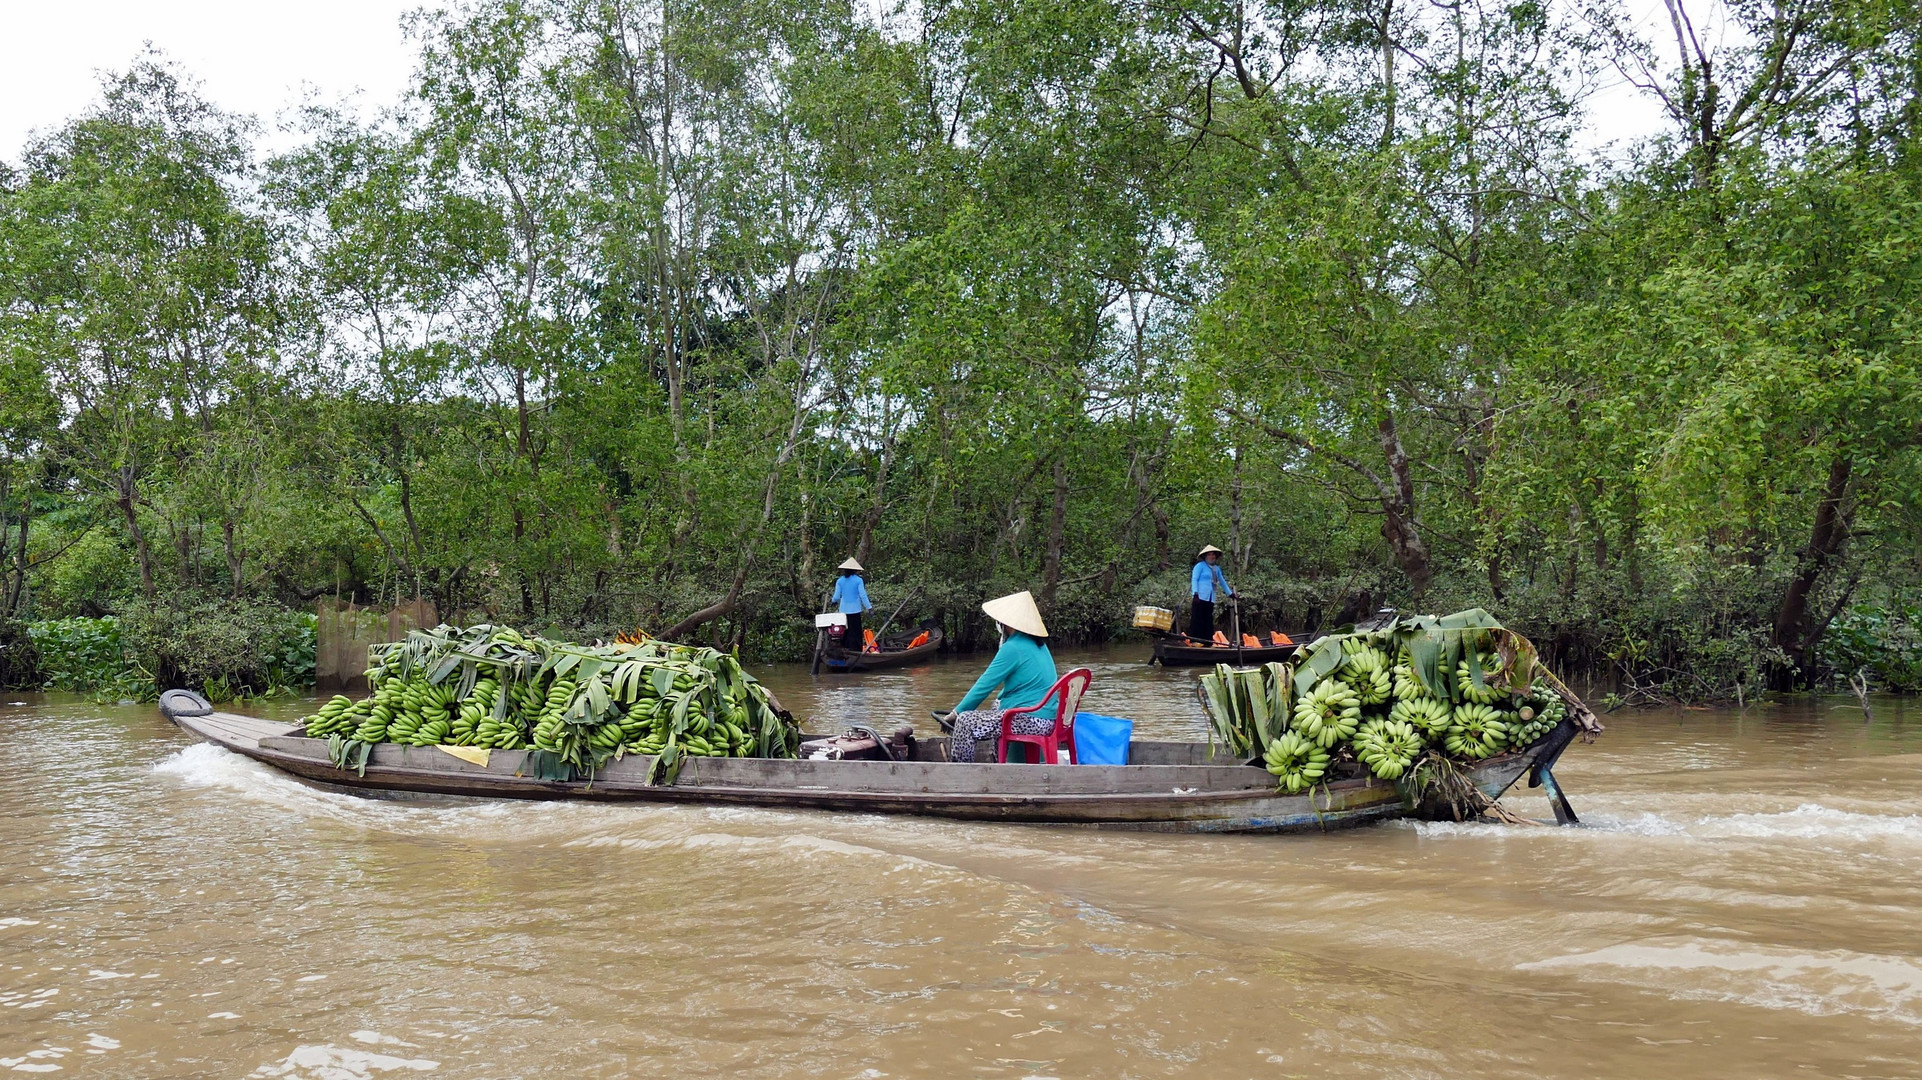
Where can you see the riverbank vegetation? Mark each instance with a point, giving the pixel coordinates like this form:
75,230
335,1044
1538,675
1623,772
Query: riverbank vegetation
647,318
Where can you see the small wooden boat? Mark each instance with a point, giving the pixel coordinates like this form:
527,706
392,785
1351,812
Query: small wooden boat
1179,650
1166,787
895,652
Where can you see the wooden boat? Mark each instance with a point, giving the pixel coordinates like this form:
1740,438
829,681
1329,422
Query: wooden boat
1166,787
895,652
1178,650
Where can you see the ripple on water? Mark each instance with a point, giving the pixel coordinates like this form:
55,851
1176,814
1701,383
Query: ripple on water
326,1061
1825,983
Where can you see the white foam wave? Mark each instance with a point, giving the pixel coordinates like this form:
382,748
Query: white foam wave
584,825
1809,821
1825,983
204,765
327,1062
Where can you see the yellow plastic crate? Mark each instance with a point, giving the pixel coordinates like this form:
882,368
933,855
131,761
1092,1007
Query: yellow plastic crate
1154,618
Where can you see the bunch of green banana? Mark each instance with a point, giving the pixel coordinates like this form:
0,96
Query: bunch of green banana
1477,732
1361,658
638,722
1366,669
1489,693
1329,713
651,743
605,737
1430,716
478,706
437,716
1388,747
1355,643
1407,686
407,721
334,718
1373,687
1296,761
712,736
504,733
528,702
385,706
549,729
1540,715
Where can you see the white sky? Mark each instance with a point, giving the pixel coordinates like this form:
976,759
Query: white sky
251,57
256,58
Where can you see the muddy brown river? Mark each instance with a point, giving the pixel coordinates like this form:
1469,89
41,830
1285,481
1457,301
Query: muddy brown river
1745,901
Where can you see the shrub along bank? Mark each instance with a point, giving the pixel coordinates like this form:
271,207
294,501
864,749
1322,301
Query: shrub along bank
223,648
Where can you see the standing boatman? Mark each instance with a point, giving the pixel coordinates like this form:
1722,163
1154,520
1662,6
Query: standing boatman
851,599
1205,585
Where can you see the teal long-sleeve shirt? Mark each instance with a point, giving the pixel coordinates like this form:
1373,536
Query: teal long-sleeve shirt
1024,670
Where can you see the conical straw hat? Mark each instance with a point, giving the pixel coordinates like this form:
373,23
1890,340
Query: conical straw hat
1017,612
850,565
1209,550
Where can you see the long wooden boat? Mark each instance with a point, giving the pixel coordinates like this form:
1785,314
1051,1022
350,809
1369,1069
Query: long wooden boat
1167,786
836,659
1180,651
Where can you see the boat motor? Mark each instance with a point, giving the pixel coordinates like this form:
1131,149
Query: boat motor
863,743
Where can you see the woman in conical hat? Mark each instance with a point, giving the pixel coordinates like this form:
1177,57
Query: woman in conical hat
851,599
1206,586
1022,670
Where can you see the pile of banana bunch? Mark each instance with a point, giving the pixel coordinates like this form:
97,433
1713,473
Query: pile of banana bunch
1486,716
581,705
1364,698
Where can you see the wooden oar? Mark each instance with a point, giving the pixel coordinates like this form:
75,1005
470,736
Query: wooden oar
897,611
1236,601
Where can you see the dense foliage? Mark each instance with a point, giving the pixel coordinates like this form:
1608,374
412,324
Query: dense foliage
225,648
649,317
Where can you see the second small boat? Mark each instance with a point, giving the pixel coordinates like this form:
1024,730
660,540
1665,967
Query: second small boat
895,651
1177,650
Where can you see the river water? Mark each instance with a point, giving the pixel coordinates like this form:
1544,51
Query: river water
1746,901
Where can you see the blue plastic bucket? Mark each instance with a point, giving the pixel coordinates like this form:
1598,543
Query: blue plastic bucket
1101,740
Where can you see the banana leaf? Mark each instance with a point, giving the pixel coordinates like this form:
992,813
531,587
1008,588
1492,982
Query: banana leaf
1324,658
1281,685
1255,690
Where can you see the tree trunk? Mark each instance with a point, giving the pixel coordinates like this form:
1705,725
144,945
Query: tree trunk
413,532
1794,634
804,532
879,504
1057,537
526,587
1164,556
16,596
230,543
124,498
1234,513
1398,524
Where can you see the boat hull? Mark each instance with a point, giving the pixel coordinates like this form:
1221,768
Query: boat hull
1168,653
839,660
1190,792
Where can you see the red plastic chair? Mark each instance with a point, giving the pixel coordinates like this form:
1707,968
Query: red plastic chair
1066,695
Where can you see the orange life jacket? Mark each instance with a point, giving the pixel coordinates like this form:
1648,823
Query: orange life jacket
1250,641
1280,638
869,643
920,639
1221,638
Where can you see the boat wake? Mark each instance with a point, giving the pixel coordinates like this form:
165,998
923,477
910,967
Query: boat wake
204,765
1808,821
